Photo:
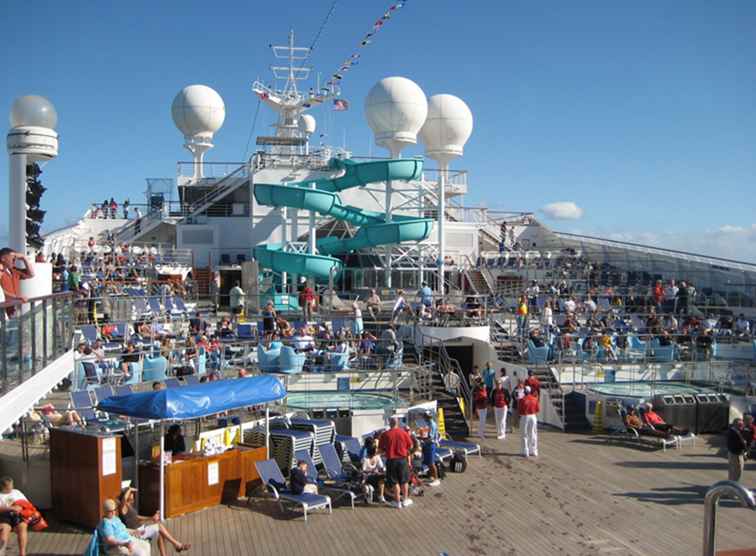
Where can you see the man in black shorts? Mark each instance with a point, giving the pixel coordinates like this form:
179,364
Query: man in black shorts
396,445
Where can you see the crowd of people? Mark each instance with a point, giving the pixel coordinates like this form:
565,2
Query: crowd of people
603,320
108,209
494,389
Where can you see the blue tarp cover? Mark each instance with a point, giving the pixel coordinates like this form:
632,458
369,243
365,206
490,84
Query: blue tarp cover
190,402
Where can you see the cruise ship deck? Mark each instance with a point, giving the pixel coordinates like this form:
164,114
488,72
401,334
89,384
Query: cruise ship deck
582,496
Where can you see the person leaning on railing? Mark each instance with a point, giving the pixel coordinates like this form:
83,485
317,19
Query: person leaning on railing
11,276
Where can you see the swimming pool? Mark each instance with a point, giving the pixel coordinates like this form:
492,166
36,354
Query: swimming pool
339,400
646,390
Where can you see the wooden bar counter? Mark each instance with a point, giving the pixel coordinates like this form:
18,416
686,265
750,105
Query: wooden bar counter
194,482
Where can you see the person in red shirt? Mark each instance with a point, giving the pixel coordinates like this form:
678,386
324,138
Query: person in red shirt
308,302
528,408
655,422
500,400
659,294
480,401
11,276
396,446
534,383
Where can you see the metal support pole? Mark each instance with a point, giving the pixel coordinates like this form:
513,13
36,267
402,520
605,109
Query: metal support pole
44,333
330,288
312,231
162,472
17,202
267,431
136,462
441,219
285,240
33,324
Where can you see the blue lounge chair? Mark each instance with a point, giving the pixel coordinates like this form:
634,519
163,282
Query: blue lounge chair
172,383
102,392
335,473
123,390
87,375
467,448
154,304
89,331
312,474
274,481
351,447
178,302
82,403
140,307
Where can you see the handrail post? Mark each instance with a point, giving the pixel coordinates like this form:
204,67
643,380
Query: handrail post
746,497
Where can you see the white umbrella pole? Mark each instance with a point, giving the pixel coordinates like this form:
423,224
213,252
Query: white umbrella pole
267,431
136,463
162,469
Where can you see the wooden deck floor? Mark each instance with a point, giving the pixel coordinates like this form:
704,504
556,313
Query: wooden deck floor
581,496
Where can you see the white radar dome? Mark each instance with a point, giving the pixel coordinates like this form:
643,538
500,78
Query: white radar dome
447,128
198,111
396,109
33,110
307,124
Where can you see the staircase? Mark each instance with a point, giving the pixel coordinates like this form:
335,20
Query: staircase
443,367
477,281
202,278
220,189
551,384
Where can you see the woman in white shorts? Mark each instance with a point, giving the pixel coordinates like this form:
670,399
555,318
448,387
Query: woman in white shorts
146,528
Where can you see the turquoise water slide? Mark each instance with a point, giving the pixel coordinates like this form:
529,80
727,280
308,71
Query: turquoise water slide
322,197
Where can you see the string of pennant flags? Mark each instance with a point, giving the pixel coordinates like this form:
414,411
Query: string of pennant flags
354,58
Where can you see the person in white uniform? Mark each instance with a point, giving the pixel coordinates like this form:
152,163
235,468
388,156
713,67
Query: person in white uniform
528,409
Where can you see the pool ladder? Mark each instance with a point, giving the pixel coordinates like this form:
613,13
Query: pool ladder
730,489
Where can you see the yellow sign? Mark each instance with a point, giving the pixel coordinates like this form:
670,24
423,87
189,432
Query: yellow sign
441,423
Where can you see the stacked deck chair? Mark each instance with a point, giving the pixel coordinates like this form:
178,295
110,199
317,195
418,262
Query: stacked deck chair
324,431
284,444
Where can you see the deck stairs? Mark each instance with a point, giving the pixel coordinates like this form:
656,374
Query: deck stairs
220,189
445,373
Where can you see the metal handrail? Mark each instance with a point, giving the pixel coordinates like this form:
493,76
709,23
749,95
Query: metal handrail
731,489
16,303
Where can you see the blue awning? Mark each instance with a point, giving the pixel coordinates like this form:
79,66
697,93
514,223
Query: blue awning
191,402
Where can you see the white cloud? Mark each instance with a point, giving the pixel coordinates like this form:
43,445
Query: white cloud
562,210
729,229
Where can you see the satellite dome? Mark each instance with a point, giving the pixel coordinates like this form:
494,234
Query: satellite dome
307,124
33,110
198,111
447,128
396,108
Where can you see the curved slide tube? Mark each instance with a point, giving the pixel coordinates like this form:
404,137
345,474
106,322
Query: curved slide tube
324,199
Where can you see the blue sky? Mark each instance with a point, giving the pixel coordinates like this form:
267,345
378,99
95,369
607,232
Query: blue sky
641,113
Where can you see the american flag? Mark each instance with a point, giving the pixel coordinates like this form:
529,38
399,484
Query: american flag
339,104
